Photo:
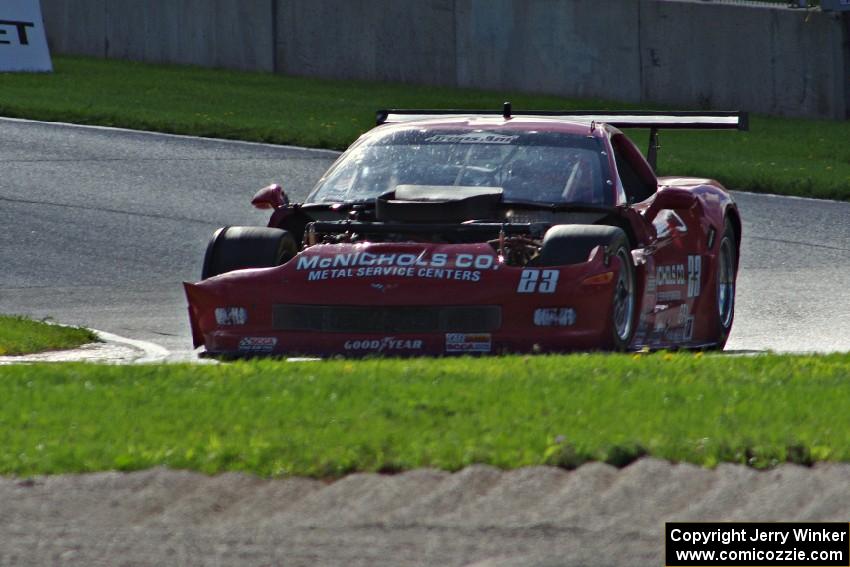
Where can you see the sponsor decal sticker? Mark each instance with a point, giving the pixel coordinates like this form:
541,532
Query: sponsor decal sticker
226,316
670,274
555,317
383,288
680,334
383,344
673,326
468,342
441,266
665,296
257,344
471,138
675,274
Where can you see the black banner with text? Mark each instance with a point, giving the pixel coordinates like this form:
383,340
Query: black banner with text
757,544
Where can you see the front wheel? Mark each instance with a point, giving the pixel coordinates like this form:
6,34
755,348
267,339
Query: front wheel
572,244
623,318
238,247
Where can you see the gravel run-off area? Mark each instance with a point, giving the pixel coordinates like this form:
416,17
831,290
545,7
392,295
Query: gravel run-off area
540,516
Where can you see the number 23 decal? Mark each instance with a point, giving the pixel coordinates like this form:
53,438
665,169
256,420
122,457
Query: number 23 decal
694,275
540,281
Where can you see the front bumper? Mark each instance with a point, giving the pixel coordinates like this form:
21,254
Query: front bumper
451,310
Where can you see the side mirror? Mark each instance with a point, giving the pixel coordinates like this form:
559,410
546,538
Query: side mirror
673,198
271,197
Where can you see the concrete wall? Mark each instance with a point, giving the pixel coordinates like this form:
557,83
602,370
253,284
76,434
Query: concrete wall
689,53
846,71
236,34
773,60
75,26
392,40
550,46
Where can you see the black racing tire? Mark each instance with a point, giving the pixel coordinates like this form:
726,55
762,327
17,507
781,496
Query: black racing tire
566,244
624,304
724,291
572,244
238,247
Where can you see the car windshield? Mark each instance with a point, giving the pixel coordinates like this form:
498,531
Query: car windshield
530,166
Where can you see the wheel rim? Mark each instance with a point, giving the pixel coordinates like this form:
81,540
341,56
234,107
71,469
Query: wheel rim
624,298
726,283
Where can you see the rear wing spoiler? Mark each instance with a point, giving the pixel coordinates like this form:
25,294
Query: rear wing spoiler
651,119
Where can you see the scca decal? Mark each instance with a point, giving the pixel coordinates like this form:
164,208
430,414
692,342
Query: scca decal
468,342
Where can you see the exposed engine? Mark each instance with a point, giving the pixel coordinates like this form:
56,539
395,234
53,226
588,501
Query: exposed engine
514,249
444,215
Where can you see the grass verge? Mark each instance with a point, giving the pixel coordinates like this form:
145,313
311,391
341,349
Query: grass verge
19,335
330,418
780,155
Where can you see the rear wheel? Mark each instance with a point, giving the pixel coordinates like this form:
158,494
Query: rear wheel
572,244
727,258
238,247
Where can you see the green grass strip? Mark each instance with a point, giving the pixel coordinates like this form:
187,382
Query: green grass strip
326,419
19,335
779,155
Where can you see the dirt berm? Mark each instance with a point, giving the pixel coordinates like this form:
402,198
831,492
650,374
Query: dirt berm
596,515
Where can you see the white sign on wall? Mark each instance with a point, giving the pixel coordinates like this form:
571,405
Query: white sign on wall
23,43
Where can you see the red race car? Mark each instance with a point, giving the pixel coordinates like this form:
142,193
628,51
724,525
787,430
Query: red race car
472,232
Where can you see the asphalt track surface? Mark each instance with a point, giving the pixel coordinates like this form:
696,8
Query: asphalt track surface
98,227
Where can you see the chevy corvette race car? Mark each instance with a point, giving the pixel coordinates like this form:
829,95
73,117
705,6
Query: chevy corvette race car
470,232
